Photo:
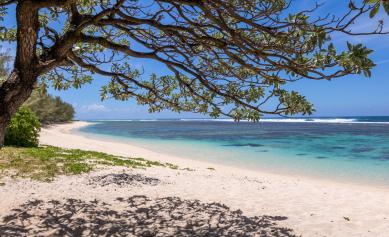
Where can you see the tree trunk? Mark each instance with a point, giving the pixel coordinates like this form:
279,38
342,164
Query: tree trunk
3,126
19,85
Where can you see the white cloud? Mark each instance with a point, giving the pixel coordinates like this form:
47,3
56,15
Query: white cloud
94,108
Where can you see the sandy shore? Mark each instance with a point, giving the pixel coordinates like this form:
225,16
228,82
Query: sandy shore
271,204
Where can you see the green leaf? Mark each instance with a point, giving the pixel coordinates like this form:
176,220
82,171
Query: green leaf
374,11
386,7
351,5
371,1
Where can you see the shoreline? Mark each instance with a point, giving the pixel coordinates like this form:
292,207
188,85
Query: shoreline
310,207
140,151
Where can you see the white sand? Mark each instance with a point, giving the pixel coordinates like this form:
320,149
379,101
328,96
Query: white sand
313,207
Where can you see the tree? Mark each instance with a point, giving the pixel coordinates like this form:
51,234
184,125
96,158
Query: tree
49,109
225,57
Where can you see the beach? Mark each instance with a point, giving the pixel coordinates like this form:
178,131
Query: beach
286,205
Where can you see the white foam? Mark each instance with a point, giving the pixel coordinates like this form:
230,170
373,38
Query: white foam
263,120
298,120
311,120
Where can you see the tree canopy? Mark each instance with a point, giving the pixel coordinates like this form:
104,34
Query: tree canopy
224,57
50,109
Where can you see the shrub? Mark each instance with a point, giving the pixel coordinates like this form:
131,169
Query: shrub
23,129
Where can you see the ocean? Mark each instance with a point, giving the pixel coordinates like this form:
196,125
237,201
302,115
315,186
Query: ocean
350,149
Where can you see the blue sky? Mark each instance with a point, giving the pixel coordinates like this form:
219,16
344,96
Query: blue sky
348,96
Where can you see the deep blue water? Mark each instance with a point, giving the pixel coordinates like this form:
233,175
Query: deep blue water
352,149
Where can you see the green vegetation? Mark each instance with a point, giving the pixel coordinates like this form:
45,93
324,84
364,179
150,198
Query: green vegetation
50,109
4,60
23,130
171,166
376,5
44,163
234,58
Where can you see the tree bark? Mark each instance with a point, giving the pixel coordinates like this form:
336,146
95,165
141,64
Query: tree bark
3,126
19,85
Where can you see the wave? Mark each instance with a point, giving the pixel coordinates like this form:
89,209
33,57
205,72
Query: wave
311,120
126,120
263,120
300,120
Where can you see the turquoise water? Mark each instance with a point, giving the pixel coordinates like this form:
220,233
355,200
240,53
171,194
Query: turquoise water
348,149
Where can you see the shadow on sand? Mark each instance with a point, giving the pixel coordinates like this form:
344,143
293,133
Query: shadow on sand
139,216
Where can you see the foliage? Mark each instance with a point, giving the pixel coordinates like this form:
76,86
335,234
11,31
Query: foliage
44,163
23,129
222,57
4,59
50,109
376,6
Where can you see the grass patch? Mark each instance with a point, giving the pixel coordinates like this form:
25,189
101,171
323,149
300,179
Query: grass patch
77,168
46,162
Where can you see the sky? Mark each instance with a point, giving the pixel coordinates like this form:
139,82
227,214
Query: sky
348,96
